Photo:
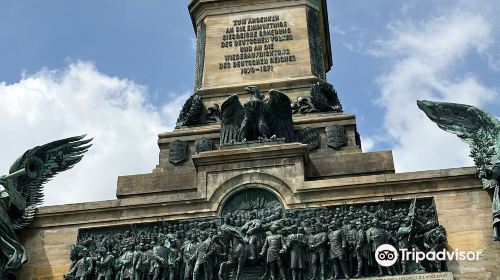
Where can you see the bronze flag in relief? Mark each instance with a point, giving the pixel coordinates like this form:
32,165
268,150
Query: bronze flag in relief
178,152
336,136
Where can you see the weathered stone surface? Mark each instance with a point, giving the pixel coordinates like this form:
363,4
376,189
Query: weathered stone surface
169,180
298,47
328,164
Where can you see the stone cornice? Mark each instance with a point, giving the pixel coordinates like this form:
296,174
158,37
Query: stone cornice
313,194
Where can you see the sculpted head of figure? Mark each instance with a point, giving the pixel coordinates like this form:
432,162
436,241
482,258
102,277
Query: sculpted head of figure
406,221
301,230
102,251
352,223
274,228
331,227
140,247
313,228
359,225
431,224
319,228
386,224
203,236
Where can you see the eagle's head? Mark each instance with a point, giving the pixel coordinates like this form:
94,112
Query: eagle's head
254,91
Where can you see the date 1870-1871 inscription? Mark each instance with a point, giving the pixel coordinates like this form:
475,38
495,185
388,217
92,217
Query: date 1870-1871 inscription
255,38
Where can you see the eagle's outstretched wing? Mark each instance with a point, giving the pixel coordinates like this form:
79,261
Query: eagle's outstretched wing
51,158
232,115
463,120
278,115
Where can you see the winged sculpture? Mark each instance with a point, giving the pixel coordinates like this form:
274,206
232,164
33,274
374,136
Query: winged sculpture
257,119
21,191
194,112
481,131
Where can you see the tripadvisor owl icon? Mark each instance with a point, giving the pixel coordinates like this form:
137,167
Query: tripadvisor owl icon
386,255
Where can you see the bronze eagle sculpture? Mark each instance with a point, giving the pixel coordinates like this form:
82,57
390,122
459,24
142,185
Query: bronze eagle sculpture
21,192
481,131
257,119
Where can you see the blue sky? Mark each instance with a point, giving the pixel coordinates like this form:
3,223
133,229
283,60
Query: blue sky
120,70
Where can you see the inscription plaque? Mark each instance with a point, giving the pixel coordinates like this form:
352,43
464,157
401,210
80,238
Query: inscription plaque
263,46
424,276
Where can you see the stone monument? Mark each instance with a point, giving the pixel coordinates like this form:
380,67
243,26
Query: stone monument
264,178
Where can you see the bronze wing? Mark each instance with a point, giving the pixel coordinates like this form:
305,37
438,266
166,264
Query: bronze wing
232,115
460,119
471,124
278,115
42,163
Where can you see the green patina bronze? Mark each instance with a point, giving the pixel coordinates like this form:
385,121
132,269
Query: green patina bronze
21,191
481,131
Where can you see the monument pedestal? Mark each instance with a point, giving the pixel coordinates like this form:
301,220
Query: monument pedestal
309,188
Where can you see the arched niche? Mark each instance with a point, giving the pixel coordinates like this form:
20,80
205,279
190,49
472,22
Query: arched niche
255,199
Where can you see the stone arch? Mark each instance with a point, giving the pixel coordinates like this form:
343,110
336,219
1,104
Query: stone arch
249,199
251,180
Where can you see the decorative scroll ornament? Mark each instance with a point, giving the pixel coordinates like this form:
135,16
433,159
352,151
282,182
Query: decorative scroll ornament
178,151
481,131
21,191
309,136
336,136
203,144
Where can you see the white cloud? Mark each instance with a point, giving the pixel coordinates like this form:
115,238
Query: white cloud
367,143
423,56
54,104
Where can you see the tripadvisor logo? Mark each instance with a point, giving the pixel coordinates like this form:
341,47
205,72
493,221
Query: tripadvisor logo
386,255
